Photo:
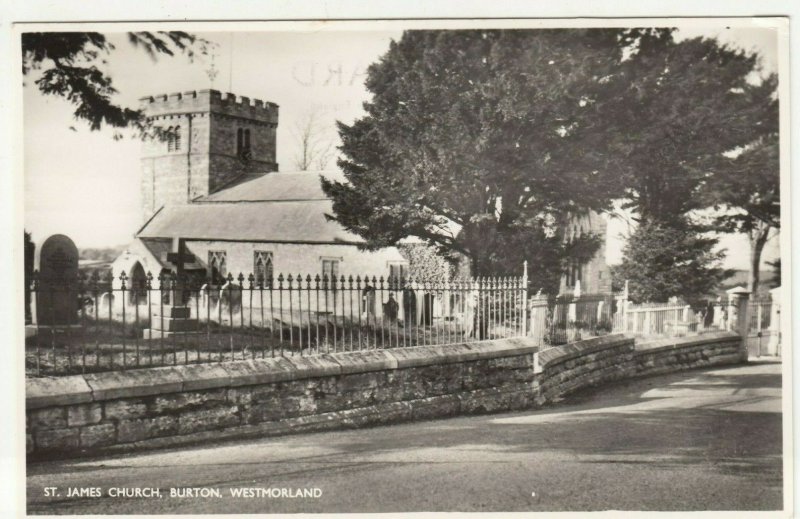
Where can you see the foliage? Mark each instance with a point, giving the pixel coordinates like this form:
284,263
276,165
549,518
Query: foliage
685,106
682,105
101,254
746,189
480,143
661,261
69,61
425,263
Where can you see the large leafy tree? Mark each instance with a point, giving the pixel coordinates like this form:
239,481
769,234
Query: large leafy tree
682,107
481,143
69,65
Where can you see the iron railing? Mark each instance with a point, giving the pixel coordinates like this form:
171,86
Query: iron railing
568,318
100,324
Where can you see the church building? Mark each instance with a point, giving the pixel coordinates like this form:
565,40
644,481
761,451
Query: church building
213,185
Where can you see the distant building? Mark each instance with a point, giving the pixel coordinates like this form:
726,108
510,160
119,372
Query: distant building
594,275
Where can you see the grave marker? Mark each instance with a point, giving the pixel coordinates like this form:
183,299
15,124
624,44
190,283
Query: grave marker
57,298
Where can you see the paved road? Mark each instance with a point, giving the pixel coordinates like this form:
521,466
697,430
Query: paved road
703,440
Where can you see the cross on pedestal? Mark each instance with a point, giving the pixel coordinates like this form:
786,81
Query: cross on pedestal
179,259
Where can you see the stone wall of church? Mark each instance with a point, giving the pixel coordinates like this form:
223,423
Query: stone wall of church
207,158
297,258
226,165
175,176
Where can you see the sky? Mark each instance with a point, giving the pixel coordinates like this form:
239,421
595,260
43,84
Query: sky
87,185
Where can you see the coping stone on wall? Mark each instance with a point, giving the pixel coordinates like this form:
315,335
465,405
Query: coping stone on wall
195,377
577,349
674,343
44,392
376,360
312,367
136,382
260,371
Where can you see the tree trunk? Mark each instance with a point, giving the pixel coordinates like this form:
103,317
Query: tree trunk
758,238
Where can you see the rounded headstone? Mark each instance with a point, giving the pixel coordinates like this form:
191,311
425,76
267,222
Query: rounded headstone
57,262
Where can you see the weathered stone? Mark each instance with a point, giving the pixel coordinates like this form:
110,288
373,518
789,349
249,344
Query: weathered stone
435,407
125,409
484,401
135,383
49,417
84,414
47,392
178,402
98,435
57,439
29,445
205,419
242,396
143,428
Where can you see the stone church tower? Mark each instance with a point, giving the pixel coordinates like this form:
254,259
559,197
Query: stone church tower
215,140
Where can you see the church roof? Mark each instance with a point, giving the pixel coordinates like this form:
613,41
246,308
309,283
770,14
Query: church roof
283,221
301,185
276,207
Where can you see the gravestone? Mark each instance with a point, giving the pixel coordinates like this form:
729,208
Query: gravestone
57,295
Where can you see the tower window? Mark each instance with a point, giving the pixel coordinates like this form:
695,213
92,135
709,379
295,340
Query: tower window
243,143
174,138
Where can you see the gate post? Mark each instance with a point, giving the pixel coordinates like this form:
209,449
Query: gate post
773,346
742,325
538,318
524,295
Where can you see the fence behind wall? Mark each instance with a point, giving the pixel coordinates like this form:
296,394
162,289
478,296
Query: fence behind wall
123,324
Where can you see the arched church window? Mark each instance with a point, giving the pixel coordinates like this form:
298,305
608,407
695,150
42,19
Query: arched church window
217,266
262,267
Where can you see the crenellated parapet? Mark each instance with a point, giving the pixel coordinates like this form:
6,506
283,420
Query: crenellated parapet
212,101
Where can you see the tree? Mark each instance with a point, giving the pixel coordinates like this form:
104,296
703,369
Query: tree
315,148
683,107
69,61
661,261
481,143
747,189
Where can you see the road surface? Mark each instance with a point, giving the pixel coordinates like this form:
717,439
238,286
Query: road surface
701,440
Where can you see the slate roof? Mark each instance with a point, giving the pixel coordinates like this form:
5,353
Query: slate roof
304,185
276,207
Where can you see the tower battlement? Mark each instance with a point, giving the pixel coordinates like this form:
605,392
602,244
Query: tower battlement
212,101
215,139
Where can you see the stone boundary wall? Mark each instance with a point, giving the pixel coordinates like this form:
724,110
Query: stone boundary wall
169,406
